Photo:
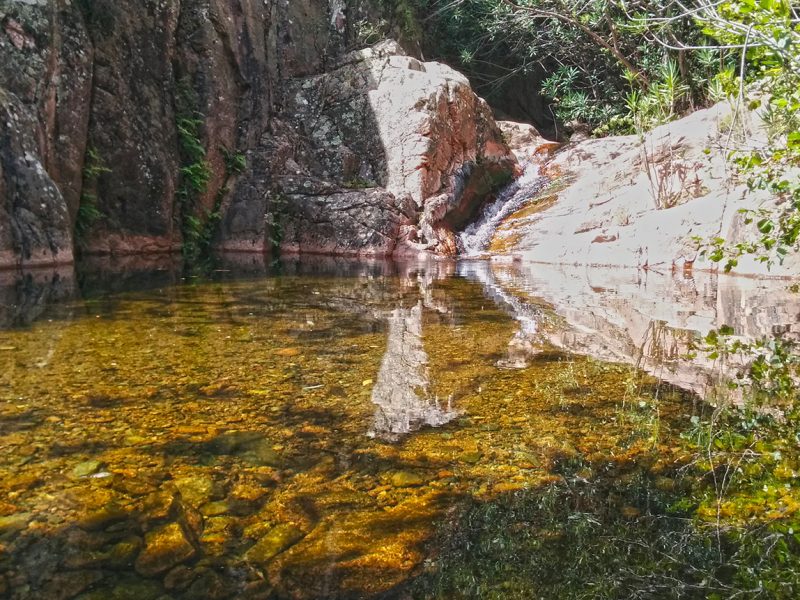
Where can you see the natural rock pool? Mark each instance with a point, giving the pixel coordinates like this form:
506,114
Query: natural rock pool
327,429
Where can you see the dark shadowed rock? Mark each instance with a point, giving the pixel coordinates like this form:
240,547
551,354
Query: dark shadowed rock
34,221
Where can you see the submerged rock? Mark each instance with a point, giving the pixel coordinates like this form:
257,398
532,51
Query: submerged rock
406,479
14,523
164,548
251,446
351,549
197,489
86,468
68,585
273,543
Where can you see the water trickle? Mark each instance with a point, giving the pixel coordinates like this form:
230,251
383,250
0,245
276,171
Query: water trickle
476,237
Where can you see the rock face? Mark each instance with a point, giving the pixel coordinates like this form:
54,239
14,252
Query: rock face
401,151
626,201
34,224
124,126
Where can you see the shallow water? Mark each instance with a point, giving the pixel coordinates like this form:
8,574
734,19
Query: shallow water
300,430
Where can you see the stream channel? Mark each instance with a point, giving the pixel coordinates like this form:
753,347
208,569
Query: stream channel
335,429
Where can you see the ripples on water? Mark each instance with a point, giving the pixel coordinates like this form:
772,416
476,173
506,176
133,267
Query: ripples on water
316,429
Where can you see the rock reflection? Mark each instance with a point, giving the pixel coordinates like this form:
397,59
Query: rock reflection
401,393
650,320
26,295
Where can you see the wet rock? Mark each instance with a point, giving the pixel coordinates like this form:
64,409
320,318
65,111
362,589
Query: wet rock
213,509
250,446
68,585
218,534
192,520
273,543
406,479
197,489
103,517
471,457
180,578
261,453
248,493
287,352
343,499
257,590
352,548
21,481
134,487
129,589
208,586
158,505
124,552
232,441
13,523
86,468
165,547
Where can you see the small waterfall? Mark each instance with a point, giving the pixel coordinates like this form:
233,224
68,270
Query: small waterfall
475,238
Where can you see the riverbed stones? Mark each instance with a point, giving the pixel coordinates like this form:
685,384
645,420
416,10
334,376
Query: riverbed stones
197,489
180,577
251,446
208,585
402,479
165,547
278,539
86,468
352,548
129,588
11,524
104,516
69,584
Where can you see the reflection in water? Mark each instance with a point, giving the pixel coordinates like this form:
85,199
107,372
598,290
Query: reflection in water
24,296
524,344
401,390
650,320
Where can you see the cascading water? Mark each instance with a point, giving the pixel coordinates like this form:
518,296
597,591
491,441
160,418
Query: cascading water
475,238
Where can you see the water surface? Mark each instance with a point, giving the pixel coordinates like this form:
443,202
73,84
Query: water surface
314,429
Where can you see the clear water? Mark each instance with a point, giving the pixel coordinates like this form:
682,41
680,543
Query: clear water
320,429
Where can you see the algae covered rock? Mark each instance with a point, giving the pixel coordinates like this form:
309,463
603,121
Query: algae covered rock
278,539
164,548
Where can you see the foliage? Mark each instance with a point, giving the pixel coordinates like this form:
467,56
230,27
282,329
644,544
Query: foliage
514,547
195,172
768,34
276,211
398,18
88,214
588,56
770,367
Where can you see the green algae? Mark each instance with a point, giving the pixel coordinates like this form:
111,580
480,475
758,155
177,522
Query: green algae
159,433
